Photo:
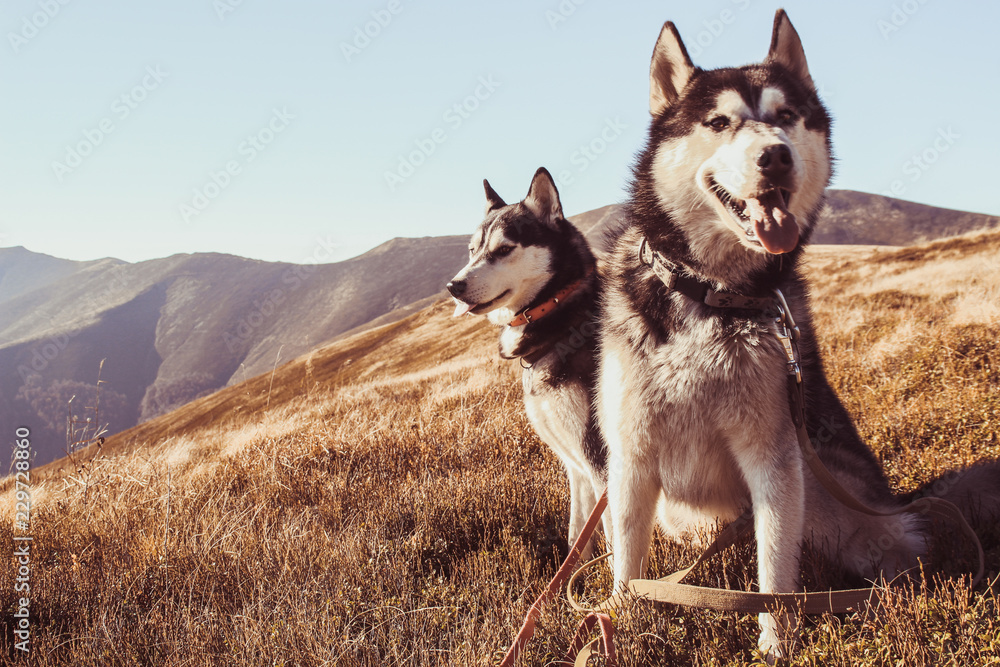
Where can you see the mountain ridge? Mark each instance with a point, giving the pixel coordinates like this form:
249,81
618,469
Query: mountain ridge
177,328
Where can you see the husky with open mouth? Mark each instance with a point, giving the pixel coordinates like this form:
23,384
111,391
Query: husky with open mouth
531,272
692,394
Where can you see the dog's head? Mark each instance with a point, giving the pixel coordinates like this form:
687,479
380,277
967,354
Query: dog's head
510,253
742,152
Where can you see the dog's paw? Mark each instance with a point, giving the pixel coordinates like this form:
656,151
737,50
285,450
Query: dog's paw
778,635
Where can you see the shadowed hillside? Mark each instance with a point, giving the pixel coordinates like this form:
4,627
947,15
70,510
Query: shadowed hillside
863,218
177,328
383,501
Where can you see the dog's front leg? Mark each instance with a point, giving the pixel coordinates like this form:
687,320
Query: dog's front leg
633,472
775,480
633,489
582,502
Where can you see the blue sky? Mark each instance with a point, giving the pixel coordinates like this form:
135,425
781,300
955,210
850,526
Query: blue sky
282,131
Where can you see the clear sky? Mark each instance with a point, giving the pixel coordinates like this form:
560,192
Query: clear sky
282,131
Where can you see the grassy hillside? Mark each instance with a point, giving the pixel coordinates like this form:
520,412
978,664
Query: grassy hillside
383,501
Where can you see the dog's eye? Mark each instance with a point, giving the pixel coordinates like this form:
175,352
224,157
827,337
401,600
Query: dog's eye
787,116
503,251
719,123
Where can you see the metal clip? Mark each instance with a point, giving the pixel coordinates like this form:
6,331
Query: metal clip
786,315
787,334
652,259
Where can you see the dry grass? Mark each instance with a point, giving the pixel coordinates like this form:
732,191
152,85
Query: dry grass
393,507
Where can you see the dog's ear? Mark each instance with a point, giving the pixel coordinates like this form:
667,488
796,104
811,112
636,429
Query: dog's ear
670,70
543,198
786,48
493,200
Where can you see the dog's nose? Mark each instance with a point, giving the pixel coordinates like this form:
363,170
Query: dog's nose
775,160
456,288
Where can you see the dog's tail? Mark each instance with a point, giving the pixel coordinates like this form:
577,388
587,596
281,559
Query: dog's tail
975,490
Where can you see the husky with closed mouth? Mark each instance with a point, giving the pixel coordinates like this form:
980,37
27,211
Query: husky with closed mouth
532,273
692,397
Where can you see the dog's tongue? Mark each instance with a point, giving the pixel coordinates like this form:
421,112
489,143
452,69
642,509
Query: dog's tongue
774,225
461,308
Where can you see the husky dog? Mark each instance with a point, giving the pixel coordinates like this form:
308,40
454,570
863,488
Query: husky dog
692,398
531,272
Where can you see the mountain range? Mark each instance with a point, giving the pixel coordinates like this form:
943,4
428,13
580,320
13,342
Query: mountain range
175,329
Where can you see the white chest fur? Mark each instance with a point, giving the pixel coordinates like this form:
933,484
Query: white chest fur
509,339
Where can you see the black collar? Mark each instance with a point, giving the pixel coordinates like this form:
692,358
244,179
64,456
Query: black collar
697,290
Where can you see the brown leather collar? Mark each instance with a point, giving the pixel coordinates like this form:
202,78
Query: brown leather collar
529,315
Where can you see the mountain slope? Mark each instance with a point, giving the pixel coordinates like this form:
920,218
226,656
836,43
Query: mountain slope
382,500
176,328
851,217
22,271
962,273
863,218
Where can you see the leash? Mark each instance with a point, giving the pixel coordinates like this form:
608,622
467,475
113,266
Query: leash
527,630
669,589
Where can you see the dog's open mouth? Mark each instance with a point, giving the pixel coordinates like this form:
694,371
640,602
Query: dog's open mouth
461,307
765,219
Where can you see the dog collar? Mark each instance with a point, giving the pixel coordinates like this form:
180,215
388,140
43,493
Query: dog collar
694,289
529,315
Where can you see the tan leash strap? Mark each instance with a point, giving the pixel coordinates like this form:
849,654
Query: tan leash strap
787,334
565,570
748,602
670,590
725,539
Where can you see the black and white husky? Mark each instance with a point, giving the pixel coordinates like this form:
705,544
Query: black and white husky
531,272
692,397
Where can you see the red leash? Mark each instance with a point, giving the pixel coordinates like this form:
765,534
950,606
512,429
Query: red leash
555,586
580,650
